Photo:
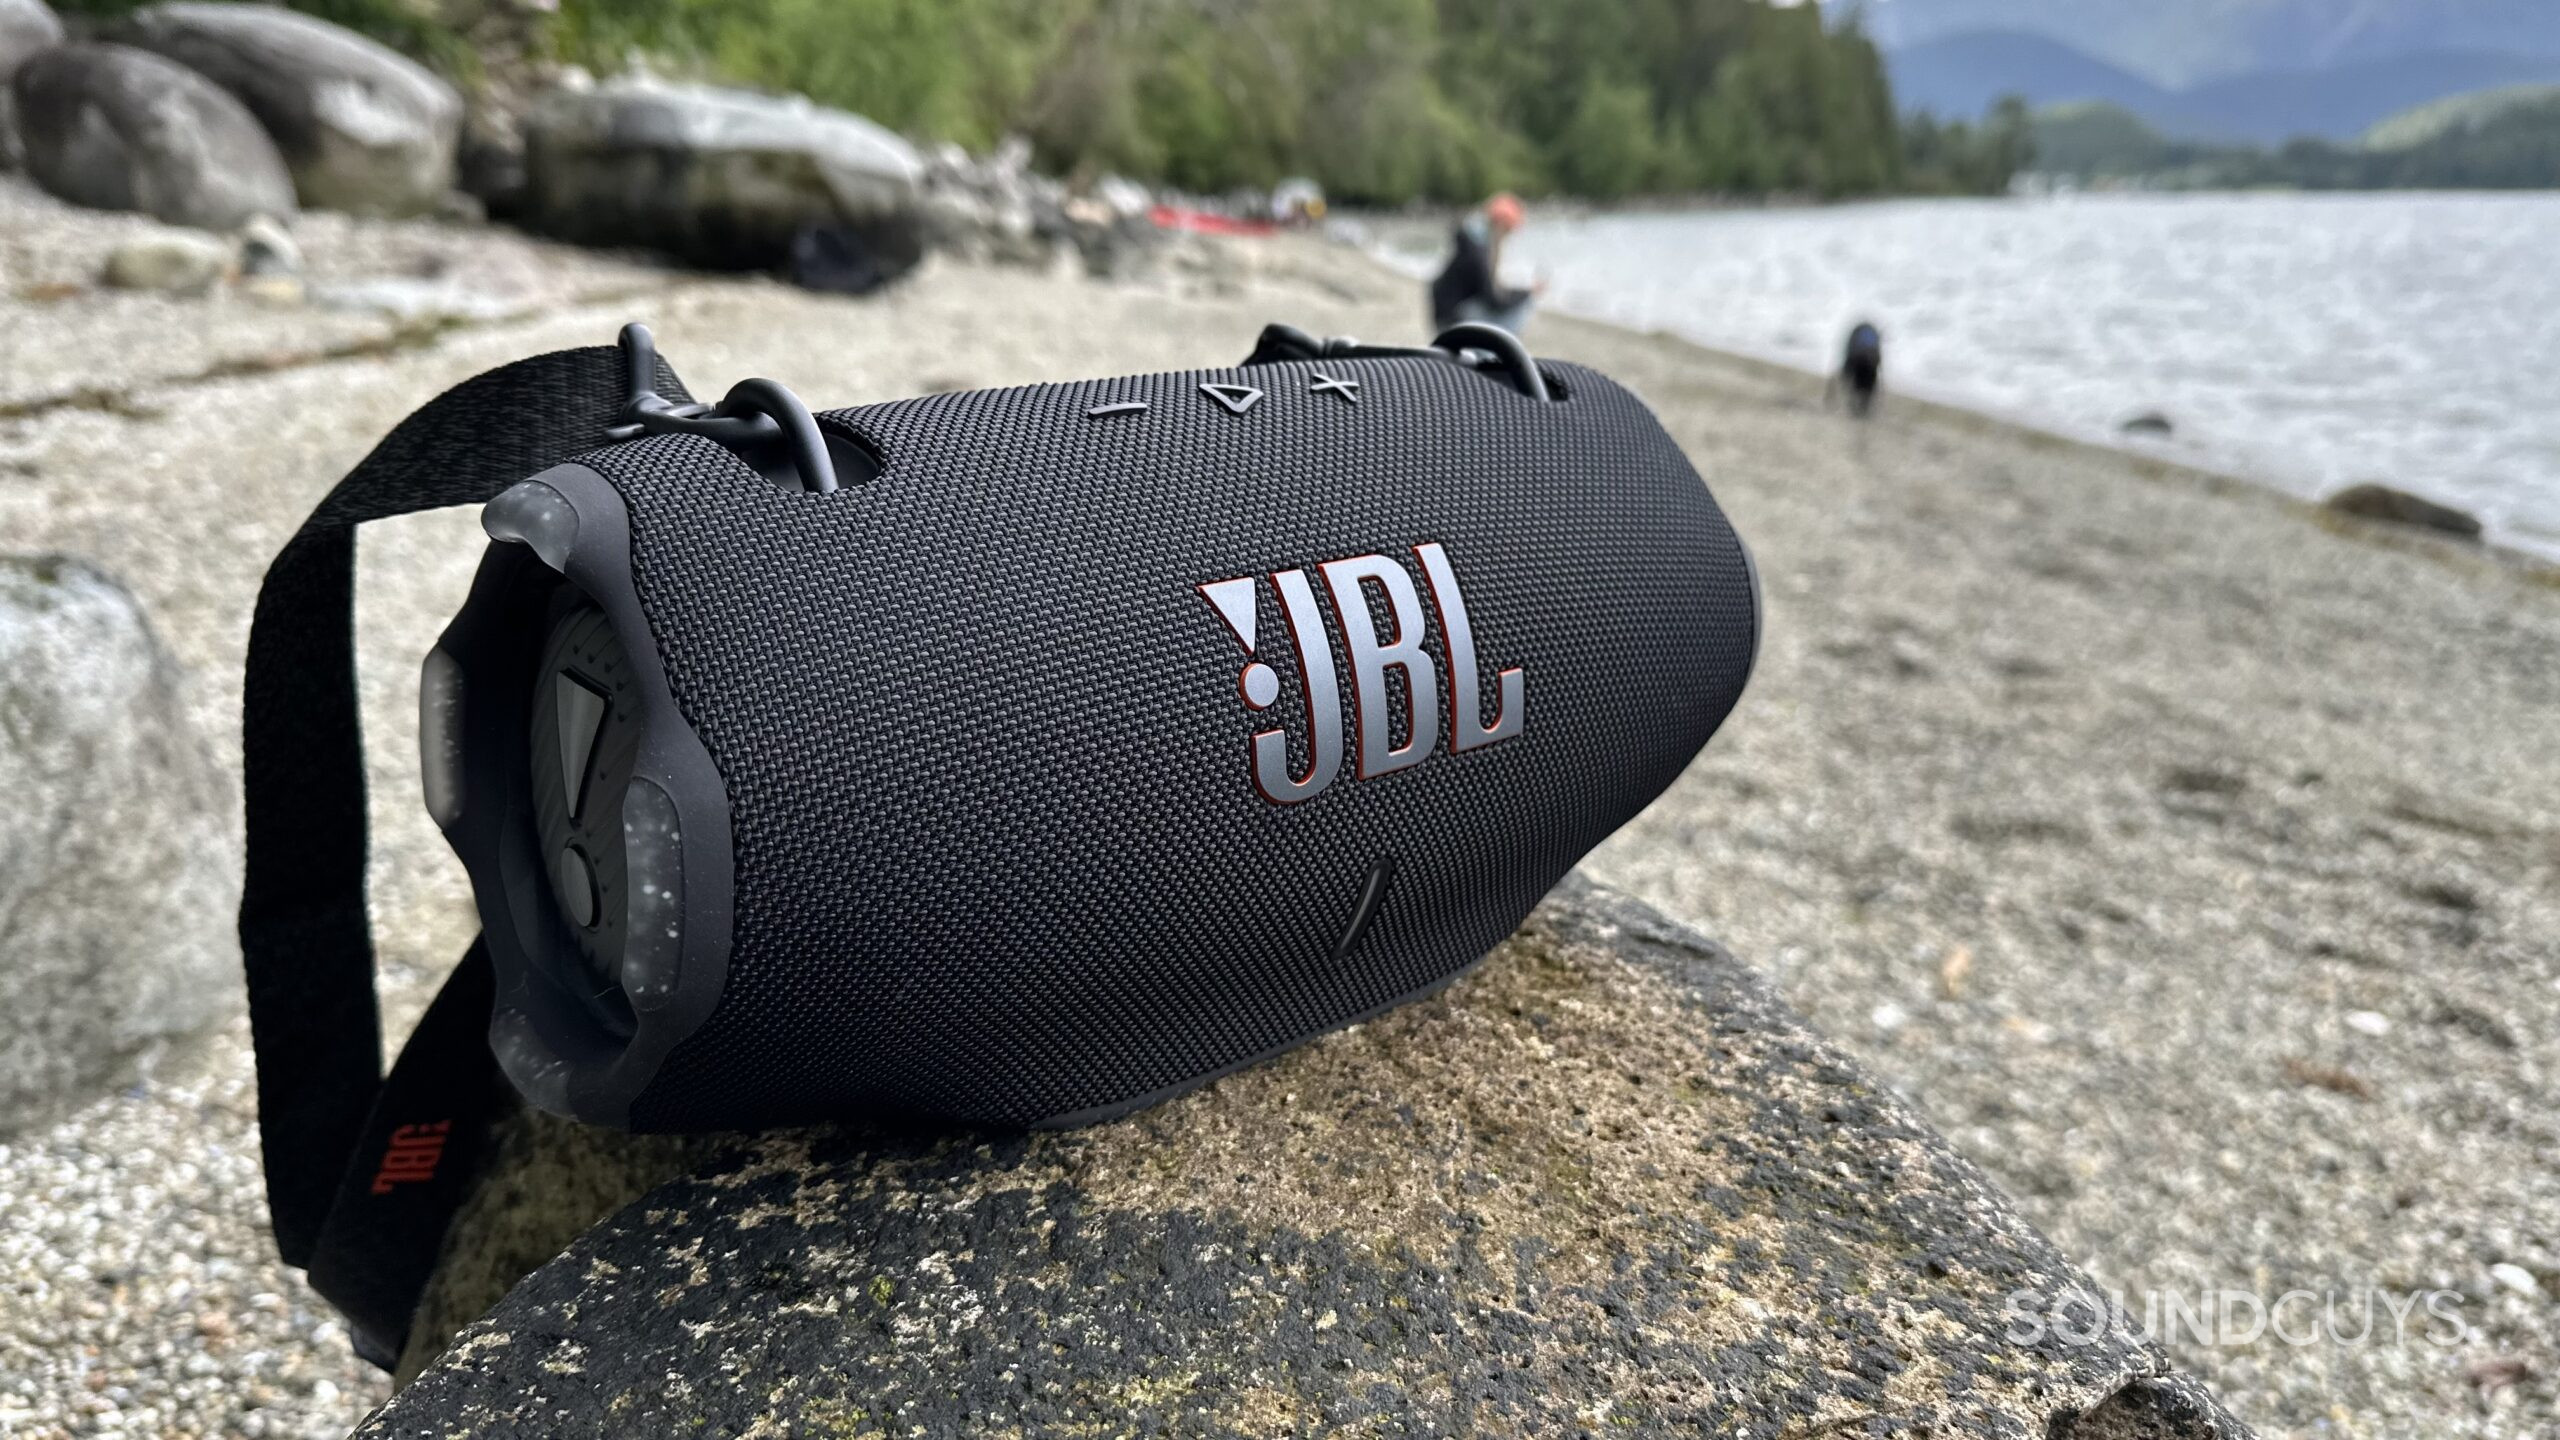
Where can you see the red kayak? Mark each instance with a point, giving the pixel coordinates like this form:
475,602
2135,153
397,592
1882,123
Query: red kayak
1175,217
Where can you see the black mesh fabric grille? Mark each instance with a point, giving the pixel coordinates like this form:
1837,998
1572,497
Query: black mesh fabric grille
999,854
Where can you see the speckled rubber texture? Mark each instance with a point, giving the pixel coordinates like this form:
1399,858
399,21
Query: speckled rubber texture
999,856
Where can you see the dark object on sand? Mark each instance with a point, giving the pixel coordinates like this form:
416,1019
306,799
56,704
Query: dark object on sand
2380,502
727,739
1610,1174
1861,369
2149,422
833,259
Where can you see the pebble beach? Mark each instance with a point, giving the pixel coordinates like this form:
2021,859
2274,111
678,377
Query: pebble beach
2190,855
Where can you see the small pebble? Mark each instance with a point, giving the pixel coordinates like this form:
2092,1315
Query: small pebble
2516,1278
267,249
183,262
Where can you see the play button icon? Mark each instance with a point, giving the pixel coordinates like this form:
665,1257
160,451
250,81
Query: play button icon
1236,398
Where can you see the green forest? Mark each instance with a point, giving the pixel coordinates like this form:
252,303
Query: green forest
1380,101
2497,141
2515,148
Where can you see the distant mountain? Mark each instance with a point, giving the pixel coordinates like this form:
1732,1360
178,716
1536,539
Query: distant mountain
2497,140
1963,75
2432,121
2182,43
2343,101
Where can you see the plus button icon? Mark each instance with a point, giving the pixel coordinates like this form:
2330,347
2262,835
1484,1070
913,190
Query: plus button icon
1349,390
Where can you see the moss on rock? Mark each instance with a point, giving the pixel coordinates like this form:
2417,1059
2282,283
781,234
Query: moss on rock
1606,1184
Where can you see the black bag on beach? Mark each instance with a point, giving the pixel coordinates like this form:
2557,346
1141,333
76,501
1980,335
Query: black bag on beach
1013,757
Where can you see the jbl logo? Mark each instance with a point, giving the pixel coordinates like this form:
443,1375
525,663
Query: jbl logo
1377,660
413,1155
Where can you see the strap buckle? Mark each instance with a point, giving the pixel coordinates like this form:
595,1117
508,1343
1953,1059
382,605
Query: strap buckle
760,421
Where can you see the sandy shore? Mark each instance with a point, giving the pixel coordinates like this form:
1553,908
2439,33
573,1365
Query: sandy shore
2192,860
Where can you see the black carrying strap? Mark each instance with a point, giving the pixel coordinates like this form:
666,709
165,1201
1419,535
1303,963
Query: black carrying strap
304,937
412,1167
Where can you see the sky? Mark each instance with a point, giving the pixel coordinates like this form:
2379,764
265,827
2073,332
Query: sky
2182,42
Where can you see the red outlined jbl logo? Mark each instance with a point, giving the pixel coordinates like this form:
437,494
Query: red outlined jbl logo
1377,660
413,1155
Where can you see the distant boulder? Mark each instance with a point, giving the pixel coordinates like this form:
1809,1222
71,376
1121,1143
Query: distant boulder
122,129
363,128
119,862
2380,502
26,27
2149,422
721,178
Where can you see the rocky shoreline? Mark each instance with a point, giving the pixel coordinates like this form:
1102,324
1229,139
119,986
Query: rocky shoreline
2191,865
228,121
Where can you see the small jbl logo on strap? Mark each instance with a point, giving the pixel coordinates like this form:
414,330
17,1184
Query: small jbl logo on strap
413,1155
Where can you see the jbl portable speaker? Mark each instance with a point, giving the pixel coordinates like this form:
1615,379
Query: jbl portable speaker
1015,756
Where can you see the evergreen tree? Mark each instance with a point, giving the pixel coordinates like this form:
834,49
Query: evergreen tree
1380,101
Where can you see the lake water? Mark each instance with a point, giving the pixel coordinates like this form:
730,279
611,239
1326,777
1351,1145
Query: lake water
2306,341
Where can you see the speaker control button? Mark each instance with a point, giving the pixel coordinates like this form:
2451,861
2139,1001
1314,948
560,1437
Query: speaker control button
440,735
575,881
580,707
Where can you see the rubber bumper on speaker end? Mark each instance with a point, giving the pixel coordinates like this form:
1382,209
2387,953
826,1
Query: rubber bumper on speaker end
592,822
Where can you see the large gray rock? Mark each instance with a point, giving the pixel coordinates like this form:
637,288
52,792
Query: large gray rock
26,26
719,178
118,862
364,128
122,129
1607,1184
